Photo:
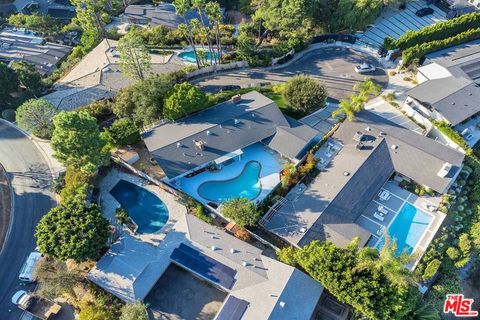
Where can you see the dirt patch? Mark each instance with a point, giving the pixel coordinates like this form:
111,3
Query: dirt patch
5,205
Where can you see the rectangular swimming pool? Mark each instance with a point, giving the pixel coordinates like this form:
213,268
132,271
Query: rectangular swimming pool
408,227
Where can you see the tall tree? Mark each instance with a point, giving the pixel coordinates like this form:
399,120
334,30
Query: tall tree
184,99
135,60
214,14
355,14
36,116
8,82
28,77
76,141
181,8
304,94
242,211
72,231
199,5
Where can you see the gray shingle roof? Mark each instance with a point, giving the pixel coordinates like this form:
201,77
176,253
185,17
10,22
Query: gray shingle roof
331,204
224,128
456,99
163,14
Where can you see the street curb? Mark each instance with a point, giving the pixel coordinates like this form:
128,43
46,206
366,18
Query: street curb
12,204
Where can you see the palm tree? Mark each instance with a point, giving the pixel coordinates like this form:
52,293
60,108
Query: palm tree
393,266
181,8
199,5
214,14
423,311
367,86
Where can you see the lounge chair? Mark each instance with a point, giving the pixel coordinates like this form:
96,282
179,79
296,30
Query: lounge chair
378,217
382,209
384,195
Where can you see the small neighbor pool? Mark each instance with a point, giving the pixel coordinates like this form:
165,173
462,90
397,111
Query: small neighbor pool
246,185
408,228
190,56
146,209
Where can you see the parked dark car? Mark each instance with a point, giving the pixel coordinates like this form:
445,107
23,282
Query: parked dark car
424,12
229,87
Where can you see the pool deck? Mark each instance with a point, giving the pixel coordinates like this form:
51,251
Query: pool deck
109,204
269,175
394,205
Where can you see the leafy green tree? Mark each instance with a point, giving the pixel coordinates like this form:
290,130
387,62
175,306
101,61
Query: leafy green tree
242,211
181,9
36,116
288,256
8,83
36,21
184,99
122,132
28,76
95,311
367,86
76,141
355,14
134,311
475,233
423,311
366,288
135,60
304,94
246,48
431,269
72,230
92,16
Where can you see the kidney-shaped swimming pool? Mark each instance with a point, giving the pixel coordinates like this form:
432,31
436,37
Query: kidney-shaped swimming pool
245,185
146,209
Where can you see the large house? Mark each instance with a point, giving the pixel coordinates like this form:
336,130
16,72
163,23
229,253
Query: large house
364,155
254,286
98,76
218,134
160,14
19,44
448,87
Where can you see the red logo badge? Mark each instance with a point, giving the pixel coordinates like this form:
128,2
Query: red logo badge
459,306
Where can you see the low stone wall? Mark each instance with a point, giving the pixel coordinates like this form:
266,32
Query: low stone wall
216,68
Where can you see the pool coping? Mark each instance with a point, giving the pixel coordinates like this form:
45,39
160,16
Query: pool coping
241,173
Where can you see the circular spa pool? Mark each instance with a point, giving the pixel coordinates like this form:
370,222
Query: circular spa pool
146,209
245,185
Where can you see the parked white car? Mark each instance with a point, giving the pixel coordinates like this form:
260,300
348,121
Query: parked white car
364,68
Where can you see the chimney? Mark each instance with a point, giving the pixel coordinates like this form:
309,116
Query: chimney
358,136
236,98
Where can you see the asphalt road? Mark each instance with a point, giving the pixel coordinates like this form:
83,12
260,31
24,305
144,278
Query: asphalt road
31,180
334,66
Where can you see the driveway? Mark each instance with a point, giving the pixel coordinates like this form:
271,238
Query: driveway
395,23
334,66
31,179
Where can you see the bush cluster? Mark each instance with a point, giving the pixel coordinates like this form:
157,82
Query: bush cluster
438,31
417,51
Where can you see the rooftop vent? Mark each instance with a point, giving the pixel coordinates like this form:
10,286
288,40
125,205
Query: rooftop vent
394,147
245,263
199,144
209,132
382,134
303,230
358,136
444,170
179,144
236,121
232,250
236,98
346,173
282,304
213,248
359,146
253,115
368,129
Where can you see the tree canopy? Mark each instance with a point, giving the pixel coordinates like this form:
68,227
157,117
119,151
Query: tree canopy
355,14
185,98
135,60
304,94
39,22
361,278
36,116
76,141
28,77
134,311
8,82
72,230
122,132
242,211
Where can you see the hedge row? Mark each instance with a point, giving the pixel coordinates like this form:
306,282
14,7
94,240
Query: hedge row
419,50
438,31
453,135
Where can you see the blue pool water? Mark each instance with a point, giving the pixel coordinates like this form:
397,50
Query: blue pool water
145,208
245,185
190,56
408,227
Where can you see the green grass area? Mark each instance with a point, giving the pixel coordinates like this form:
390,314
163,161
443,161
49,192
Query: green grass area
278,98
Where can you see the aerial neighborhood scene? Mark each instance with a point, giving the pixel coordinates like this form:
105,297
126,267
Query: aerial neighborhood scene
239,159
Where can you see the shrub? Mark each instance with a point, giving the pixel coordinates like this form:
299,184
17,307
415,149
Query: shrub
304,94
202,215
122,215
287,256
289,175
453,253
462,262
453,135
100,110
436,31
419,50
431,269
309,164
242,211
122,132
465,244
184,99
36,116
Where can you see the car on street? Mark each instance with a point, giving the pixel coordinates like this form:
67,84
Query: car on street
364,68
424,12
229,87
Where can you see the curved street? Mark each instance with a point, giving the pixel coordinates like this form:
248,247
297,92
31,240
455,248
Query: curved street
31,179
334,66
